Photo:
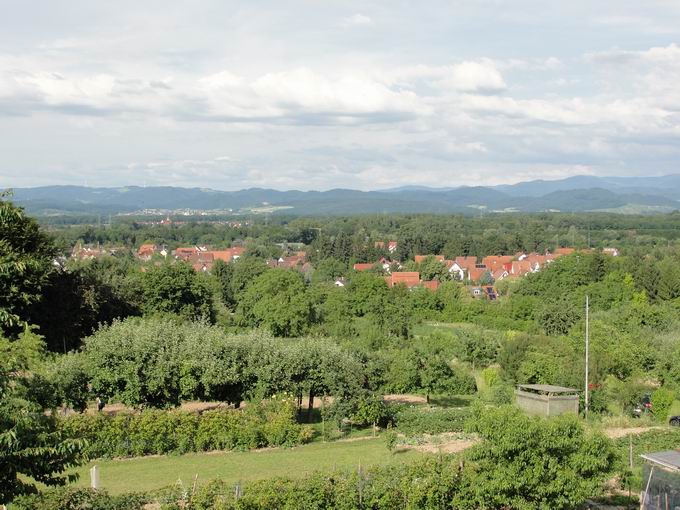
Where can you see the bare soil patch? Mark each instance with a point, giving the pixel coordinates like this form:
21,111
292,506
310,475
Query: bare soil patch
405,399
617,432
450,442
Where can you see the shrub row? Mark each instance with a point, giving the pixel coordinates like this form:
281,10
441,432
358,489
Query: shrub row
430,420
270,423
429,483
69,498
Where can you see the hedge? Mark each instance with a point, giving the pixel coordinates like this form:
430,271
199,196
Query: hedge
430,420
428,483
271,423
69,498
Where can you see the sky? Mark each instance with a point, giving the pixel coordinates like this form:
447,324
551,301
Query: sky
336,94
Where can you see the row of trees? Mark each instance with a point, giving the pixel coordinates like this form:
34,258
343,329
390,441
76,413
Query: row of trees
346,238
160,361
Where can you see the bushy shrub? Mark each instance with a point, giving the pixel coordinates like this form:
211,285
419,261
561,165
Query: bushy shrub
371,409
430,483
430,420
501,394
662,400
491,376
69,498
530,462
463,383
270,423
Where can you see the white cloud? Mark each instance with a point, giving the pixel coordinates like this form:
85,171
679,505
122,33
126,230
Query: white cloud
356,20
404,93
661,54
473,76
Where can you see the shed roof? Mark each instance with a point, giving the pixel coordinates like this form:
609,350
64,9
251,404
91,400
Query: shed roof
546,388
669,459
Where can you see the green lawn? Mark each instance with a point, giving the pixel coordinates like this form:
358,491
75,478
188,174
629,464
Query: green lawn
148,473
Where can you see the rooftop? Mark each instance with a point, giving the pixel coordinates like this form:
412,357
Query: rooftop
546,388
669,459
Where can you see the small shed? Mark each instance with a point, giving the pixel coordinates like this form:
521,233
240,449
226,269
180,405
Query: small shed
546,399
661,480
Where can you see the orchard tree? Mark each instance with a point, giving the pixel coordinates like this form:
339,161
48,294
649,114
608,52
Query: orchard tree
435,375
214,366
137,361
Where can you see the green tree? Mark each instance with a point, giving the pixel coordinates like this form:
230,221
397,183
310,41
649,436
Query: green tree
214,366
223,274
137,361
662,399
32,447
449,299
333,310
432,269
532,463
277,301
556,317
397,313
178,289
435,375
77,299
26,255
327,270
368,293
245,271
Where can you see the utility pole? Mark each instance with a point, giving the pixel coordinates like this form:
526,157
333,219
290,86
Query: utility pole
587,342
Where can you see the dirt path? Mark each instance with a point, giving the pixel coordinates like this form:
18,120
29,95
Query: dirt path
617,432
450,442
404,398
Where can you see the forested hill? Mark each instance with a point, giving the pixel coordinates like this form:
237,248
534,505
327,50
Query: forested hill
581,193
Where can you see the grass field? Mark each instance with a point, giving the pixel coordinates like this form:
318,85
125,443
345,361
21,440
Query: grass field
149,473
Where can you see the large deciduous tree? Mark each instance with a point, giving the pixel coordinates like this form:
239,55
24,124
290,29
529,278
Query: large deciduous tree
177,289
277,300
26,255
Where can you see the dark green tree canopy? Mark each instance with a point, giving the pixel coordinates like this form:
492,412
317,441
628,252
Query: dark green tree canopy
277,300
26,261
178,289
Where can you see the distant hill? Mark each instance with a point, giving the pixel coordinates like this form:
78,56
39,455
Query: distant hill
579,193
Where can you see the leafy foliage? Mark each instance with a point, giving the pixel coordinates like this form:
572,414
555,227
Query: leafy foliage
532,463
276,301
269,423
25,264
69,498
32,447
177,289
430,420
158,361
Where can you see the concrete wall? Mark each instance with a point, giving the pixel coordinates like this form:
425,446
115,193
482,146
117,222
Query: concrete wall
544,405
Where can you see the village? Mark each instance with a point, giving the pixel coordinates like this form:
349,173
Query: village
478,274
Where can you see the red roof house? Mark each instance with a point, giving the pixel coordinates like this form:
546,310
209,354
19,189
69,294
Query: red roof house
408,278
